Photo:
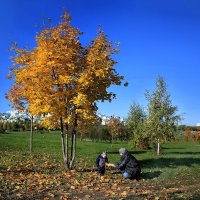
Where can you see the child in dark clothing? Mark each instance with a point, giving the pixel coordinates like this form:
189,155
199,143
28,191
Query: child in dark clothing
101,161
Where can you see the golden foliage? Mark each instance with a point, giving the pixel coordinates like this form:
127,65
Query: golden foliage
60,78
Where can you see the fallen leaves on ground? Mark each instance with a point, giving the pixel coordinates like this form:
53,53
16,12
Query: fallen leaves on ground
31,180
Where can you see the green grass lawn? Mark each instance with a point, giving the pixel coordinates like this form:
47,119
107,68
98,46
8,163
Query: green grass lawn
175,174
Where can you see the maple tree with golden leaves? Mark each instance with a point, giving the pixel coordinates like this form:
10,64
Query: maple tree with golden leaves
62,81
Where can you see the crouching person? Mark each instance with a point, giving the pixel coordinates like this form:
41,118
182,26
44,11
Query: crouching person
128,166
101,161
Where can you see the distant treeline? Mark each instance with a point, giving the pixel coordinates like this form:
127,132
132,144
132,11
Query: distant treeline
20,125
186,127
94,133
103,133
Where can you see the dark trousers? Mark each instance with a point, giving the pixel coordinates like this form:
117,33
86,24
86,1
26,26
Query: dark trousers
135,174
101,170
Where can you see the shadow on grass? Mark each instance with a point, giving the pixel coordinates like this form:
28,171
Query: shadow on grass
187,153
150,175
173,148
3,133
132,152
169,162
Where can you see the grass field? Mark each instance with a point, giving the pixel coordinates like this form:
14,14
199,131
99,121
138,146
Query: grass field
173,175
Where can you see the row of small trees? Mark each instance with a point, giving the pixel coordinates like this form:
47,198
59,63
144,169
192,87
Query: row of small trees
19,125
186,127
191,135
106,133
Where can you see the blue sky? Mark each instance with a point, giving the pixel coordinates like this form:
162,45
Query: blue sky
156,37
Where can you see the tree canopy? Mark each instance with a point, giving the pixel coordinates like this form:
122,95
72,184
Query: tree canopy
162,117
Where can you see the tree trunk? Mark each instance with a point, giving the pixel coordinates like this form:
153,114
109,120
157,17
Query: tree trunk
112,140
63,144
73,149
158,148
68,161
31,136
81,136
67,145
73,145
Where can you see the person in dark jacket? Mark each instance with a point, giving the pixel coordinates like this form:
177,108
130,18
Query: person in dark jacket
129,165
101,161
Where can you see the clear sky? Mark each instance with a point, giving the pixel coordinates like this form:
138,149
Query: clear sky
157,37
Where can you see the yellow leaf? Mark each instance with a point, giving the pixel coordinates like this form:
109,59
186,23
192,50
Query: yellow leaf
124,193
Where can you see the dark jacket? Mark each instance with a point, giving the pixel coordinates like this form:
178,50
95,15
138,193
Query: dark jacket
129,164
100,161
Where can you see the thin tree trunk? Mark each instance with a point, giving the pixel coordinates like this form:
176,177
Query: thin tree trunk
111,140
158,148
81,136
67,145
63,144
73,145
31,135
73,149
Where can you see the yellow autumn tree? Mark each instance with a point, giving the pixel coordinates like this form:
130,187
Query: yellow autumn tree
62,81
